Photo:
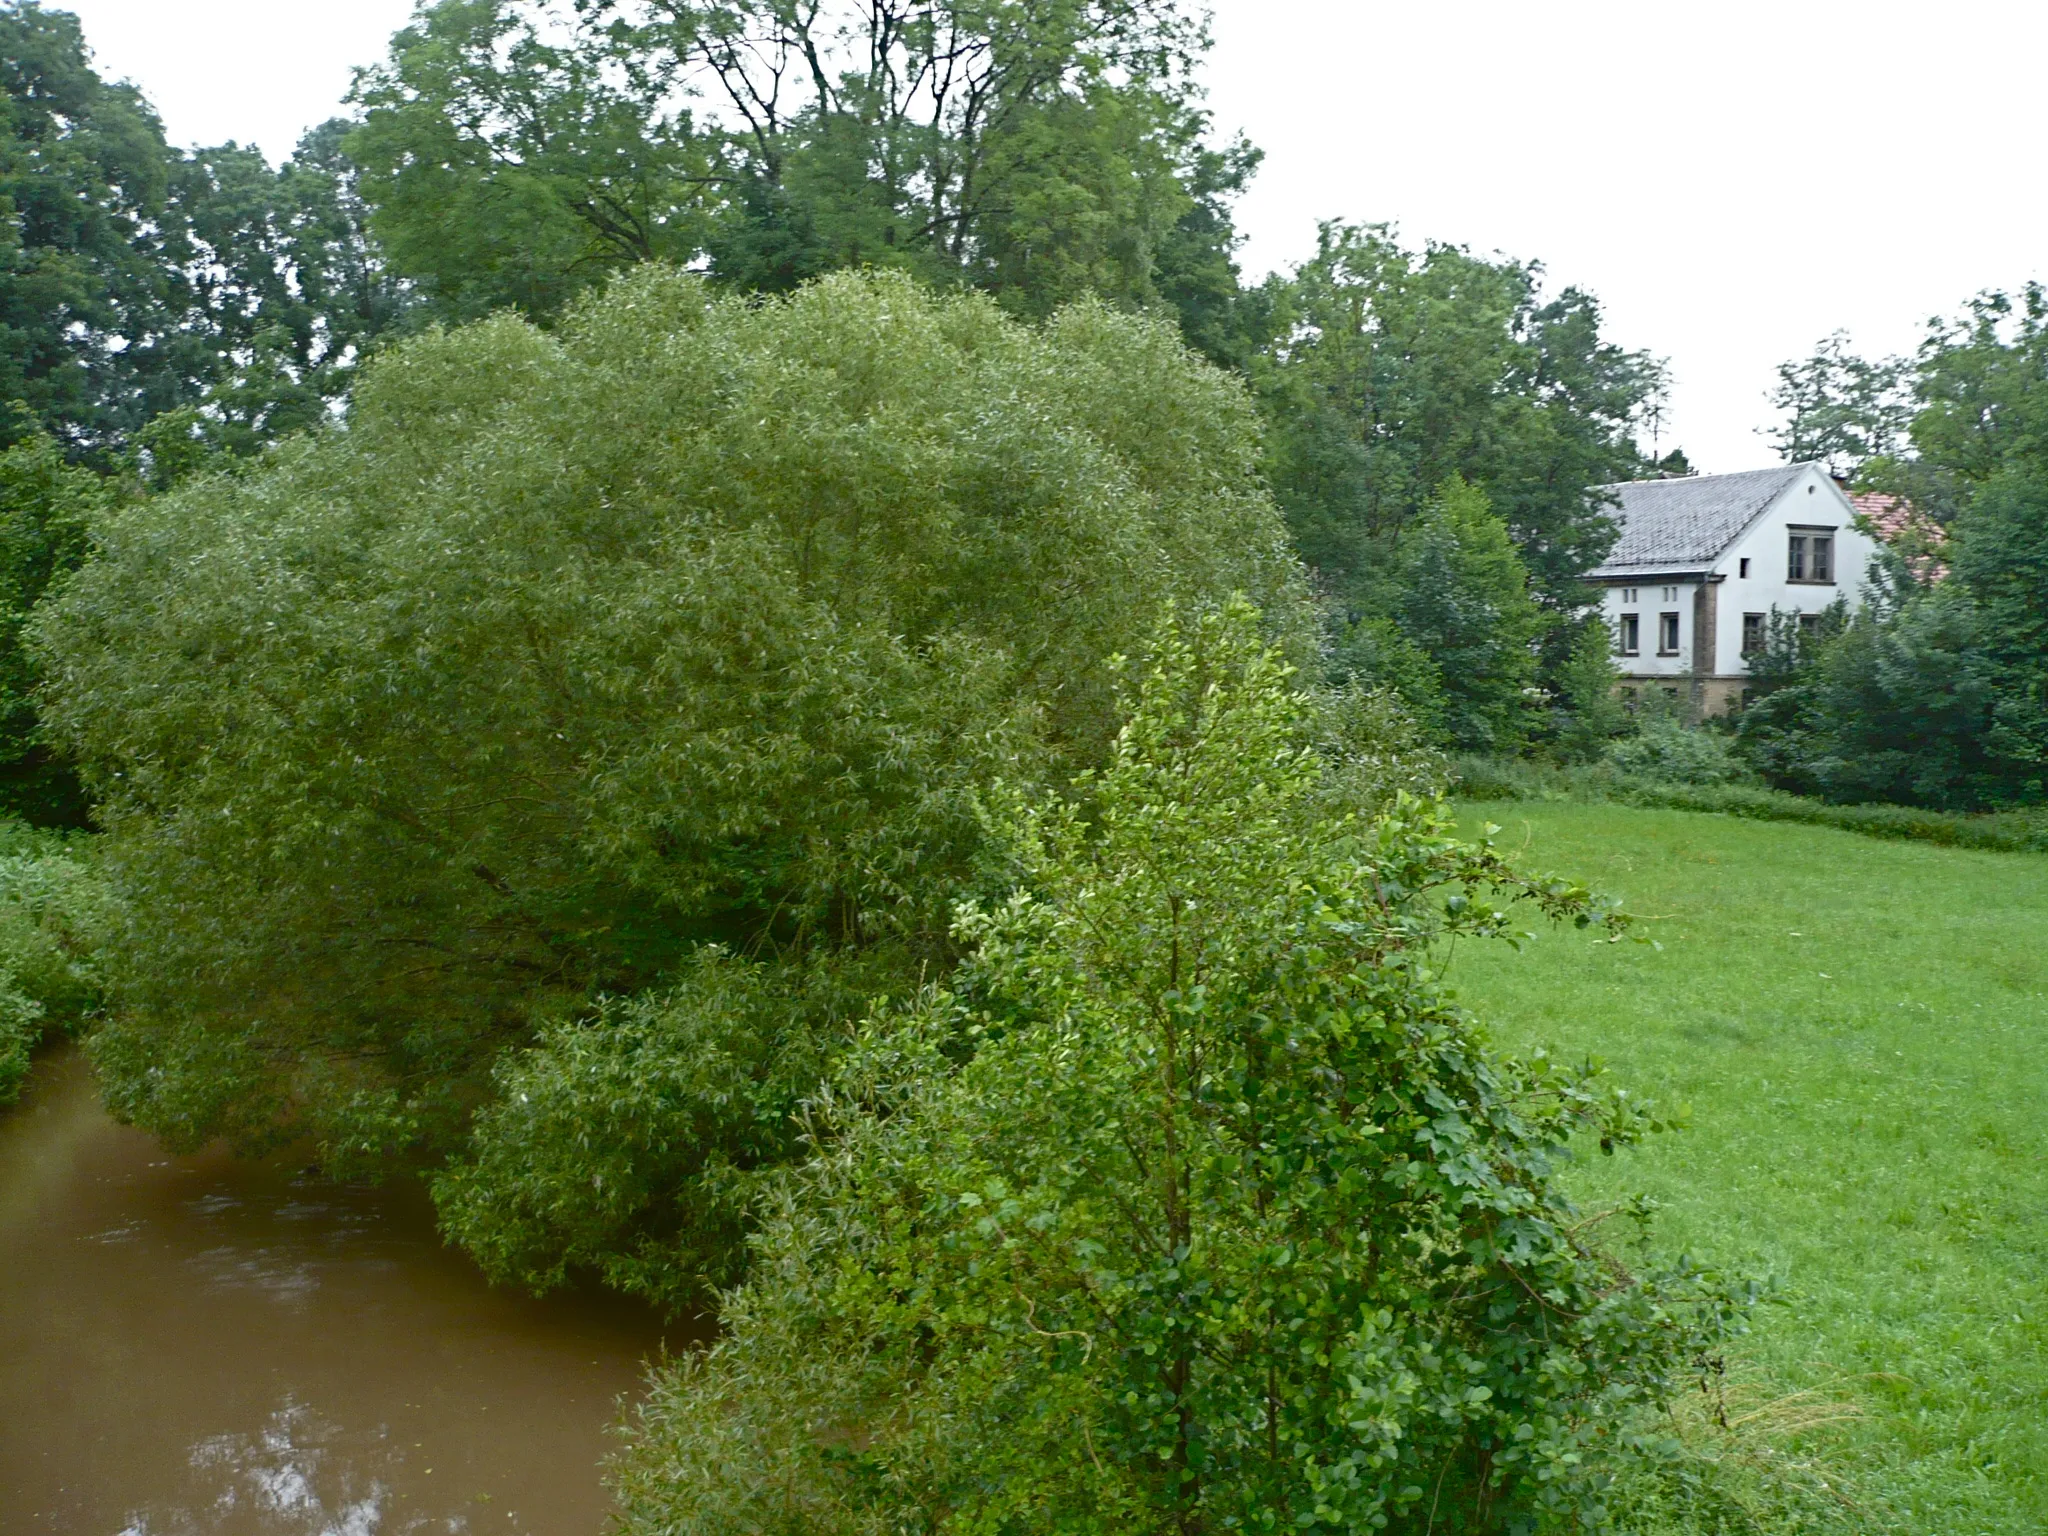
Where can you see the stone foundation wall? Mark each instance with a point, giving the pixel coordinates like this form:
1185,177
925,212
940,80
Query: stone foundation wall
1697,697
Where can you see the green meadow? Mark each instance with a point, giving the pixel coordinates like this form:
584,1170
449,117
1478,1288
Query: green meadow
1859,1030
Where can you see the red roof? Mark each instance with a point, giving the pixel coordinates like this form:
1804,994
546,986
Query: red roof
1896,521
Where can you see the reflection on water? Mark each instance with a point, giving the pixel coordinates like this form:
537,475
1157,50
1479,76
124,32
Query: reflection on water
192,1345
297,1474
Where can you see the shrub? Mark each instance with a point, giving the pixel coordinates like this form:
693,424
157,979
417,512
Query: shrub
1665,752
1230,1220
1479,778
624,1140
54,914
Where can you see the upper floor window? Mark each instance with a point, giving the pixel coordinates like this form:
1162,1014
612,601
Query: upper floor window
1629,635
1667,634
1743,573
1752,633
1810,555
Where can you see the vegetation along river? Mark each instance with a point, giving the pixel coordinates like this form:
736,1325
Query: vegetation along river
198,1345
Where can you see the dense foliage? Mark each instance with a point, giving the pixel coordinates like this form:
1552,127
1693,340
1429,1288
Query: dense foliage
141,280
694,622
1230,1220
47,507
1936,694
55,912
520,150
1385,374
180,310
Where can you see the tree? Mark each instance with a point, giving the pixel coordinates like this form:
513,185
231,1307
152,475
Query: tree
90,344
285,283
1841,410
1193,1202
1388,371
139,281
517,154
503,169
1938,693
1459,595
697,622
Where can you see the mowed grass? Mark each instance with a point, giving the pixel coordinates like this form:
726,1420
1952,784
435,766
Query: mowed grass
1860,1029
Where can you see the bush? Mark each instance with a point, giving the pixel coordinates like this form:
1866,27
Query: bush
1230,1220
54,913
1474,776
690,623
624,1141
1665,752
2011,831
1480,778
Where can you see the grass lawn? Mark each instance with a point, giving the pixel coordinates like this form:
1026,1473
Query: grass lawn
1860,1029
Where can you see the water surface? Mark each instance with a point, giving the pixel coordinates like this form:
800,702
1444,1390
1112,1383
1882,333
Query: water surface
199,1345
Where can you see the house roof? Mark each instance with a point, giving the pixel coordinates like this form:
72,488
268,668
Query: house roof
1899,523
1685,524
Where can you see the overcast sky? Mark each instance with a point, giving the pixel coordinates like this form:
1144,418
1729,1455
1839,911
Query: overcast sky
1733,180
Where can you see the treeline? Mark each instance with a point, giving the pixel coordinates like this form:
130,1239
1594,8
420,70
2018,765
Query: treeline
1435,423
1936,693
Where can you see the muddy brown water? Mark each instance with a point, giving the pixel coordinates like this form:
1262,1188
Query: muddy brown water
199,1345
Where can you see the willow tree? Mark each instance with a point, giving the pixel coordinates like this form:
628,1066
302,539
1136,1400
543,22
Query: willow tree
589,662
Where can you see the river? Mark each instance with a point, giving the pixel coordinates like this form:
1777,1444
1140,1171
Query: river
201,1345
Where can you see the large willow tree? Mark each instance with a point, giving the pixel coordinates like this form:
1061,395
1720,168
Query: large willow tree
663,651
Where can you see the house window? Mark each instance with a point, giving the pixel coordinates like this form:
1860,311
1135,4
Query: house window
1630,638
1744,571
1671,594
1752,633
1810,555
1628,594
1667,634
1809,625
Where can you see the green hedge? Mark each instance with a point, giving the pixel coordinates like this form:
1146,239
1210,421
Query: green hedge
2007,831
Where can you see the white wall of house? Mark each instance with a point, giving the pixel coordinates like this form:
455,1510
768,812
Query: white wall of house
1813,501
1650,599
1754,576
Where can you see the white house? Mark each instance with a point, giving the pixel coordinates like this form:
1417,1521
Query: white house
1701,563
